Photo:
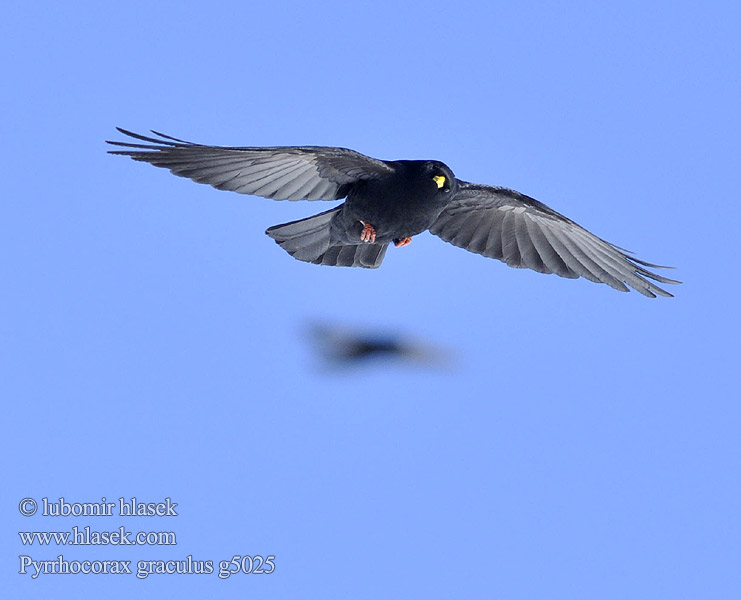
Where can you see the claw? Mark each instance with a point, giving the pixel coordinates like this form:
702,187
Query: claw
402,242
368,234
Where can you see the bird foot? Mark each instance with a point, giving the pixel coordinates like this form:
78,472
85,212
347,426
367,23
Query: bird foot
368,234
402,242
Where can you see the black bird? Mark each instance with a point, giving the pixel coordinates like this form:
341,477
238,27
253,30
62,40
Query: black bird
392,201
346,346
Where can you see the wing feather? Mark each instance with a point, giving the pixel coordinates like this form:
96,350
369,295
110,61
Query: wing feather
524,233
552,261
279,172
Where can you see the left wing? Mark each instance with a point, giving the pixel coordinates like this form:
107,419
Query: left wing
279,172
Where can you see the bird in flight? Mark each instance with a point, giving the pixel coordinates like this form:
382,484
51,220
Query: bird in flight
391,202
343,347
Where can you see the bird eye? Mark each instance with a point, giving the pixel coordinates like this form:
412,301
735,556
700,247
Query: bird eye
439,180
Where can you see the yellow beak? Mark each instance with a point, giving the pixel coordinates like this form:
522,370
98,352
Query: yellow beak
439,180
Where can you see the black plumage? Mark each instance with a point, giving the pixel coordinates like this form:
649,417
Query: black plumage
392,201
344,346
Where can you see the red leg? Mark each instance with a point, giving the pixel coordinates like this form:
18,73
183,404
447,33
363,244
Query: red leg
368,234
402,242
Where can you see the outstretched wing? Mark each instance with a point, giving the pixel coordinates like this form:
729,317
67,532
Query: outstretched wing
524,233
280,173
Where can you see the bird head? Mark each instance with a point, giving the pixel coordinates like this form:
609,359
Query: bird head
441,176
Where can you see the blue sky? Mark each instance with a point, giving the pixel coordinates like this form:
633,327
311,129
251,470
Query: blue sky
585,444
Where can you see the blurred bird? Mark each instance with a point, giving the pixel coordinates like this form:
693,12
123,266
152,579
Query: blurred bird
392,201
343,347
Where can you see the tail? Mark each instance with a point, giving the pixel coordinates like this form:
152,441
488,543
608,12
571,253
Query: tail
310,240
